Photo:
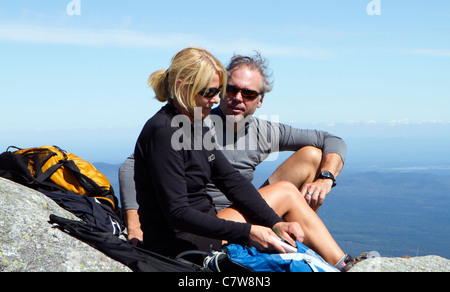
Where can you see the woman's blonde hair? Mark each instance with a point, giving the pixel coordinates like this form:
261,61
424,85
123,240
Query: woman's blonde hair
191,70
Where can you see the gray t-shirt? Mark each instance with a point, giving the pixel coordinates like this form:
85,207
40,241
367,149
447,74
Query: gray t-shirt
259,138
127,186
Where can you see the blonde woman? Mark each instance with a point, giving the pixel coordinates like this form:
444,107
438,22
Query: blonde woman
175,210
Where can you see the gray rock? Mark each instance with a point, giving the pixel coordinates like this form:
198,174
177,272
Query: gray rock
28,243
415,264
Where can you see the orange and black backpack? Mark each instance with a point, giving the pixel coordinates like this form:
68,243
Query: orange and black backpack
53,169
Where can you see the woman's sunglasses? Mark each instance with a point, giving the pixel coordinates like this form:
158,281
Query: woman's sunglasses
246,93
210,92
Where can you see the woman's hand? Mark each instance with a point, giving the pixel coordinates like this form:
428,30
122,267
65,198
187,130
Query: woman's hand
263,239
266,239
289,231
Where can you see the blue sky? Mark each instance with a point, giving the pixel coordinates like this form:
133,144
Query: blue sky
79,81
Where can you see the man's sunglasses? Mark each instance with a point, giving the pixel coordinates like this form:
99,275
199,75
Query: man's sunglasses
210,92
246,93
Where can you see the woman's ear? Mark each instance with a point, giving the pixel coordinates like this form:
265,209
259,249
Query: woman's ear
178,84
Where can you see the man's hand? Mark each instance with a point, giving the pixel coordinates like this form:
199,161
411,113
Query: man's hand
315,192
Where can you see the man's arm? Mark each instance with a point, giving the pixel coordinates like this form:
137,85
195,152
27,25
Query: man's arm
293,139
333,163
135,234
316,151
129,202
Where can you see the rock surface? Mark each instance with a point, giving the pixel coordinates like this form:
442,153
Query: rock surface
416,264
28,243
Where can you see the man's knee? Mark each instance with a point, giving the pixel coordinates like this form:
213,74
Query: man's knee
311,155
300,167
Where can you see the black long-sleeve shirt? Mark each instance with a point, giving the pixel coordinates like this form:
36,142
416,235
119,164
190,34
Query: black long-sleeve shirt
171,186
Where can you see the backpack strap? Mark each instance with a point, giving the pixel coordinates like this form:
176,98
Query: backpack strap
94,190
43,176
17,148
137,259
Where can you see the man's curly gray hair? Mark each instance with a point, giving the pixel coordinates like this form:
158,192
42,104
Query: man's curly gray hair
255,62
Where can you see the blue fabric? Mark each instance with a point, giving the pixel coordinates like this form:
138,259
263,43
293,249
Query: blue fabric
305,260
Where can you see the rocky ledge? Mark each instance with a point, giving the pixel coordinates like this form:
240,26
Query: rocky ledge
415,264
28,243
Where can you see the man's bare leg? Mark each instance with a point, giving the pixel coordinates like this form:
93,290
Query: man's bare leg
300,168
303,168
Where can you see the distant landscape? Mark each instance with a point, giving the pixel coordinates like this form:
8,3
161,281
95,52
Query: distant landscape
396,211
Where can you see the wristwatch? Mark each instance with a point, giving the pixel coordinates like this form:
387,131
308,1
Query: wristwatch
328,175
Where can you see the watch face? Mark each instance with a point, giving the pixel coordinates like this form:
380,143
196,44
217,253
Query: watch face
327,174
